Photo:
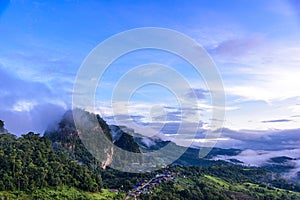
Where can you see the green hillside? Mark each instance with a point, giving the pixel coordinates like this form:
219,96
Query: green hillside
65,193
221,182
34,167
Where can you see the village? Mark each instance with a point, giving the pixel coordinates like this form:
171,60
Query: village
147,186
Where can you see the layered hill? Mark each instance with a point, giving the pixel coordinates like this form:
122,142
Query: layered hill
34,167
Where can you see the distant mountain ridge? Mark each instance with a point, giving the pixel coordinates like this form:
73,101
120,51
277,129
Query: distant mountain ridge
67,162
65,137
123,139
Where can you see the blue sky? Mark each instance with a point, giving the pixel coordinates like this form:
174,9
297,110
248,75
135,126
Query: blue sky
255,45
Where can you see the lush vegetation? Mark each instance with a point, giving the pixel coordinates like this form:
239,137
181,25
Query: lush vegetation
29,162
222,182
65,193
58,166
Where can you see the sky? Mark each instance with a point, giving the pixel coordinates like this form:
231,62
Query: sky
255,46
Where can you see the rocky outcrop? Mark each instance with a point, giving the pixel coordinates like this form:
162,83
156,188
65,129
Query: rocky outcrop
84,136
2,129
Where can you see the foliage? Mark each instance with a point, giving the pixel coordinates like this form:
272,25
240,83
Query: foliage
221,182
29,163
66,193
35,167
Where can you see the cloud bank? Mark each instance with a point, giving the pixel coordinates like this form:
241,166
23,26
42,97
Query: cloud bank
27,105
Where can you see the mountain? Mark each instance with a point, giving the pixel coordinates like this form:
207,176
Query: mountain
91,141
33,167
189,157
282,165
74,139
2,129
285,166
131,151
281,159
124,140
144,142
150,143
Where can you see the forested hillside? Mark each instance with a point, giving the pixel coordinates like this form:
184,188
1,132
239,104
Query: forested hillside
223,182
29,162
34,167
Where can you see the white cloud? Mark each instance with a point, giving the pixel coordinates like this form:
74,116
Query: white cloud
273,75
294,109
268,72
262,158
23,106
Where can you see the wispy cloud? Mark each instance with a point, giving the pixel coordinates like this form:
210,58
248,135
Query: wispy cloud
257,59
238,47
14,89
264,158
28,105
261,140
198,93
276,121
265,74
36,119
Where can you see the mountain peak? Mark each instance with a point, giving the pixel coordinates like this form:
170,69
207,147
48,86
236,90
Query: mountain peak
123,139
76,138
2,129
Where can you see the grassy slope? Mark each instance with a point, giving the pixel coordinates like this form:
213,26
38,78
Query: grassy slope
233,190
254,190
61,193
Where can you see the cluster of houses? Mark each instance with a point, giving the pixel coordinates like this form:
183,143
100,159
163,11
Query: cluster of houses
146,187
